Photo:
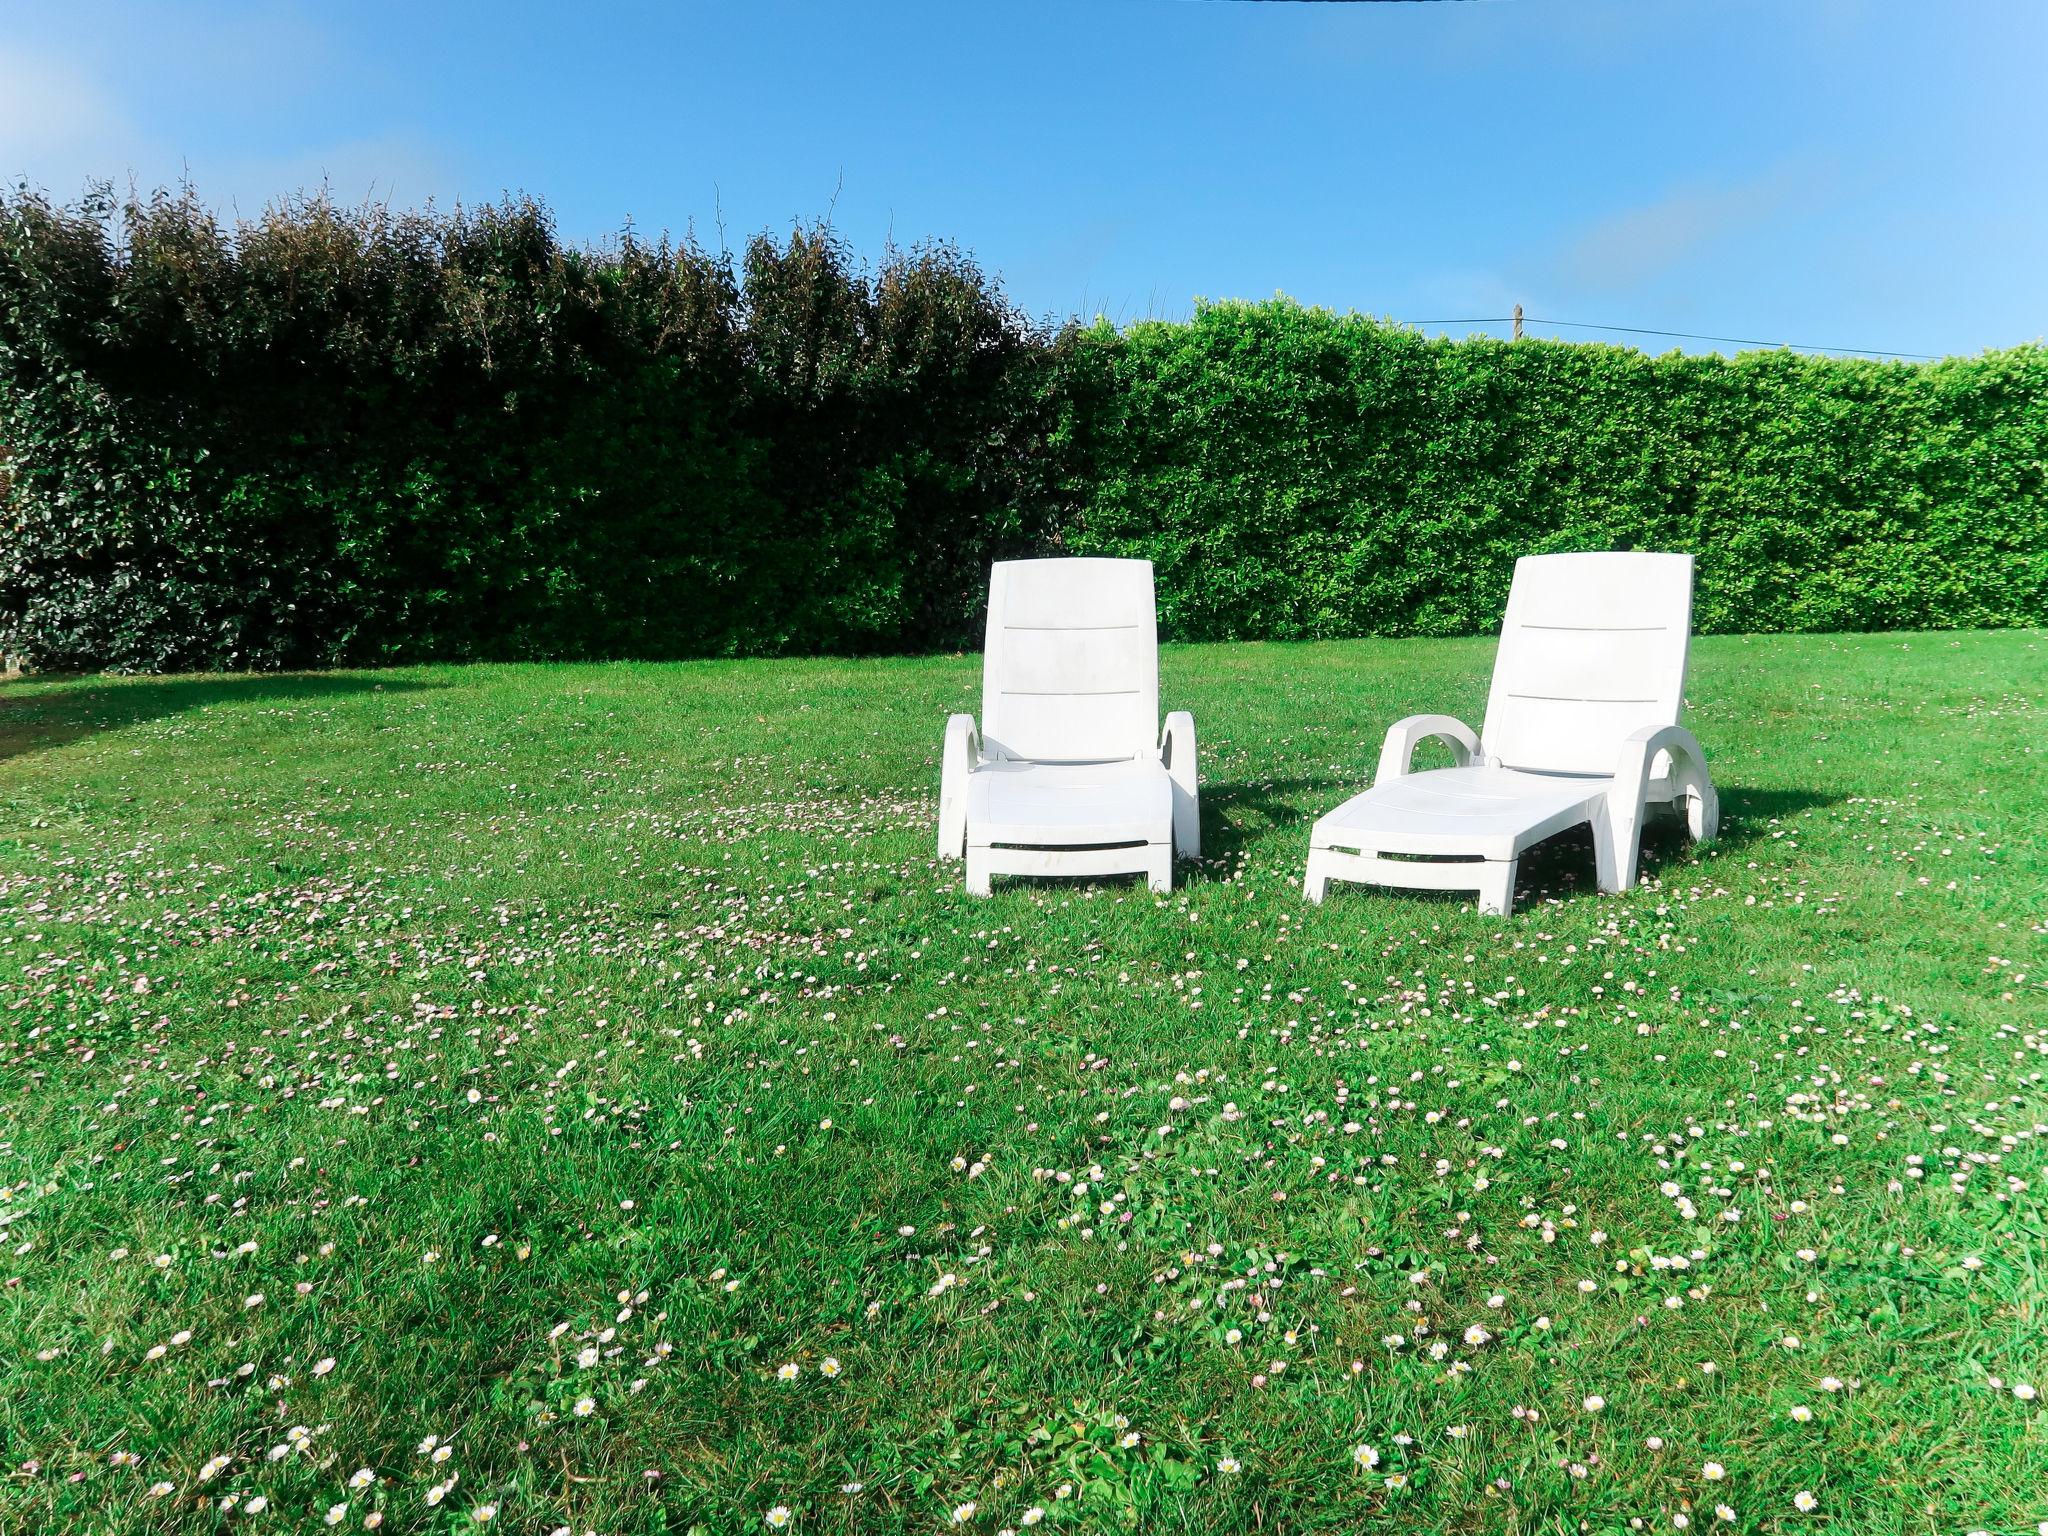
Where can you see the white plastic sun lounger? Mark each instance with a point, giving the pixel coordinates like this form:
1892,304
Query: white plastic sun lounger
1069,774
1581,726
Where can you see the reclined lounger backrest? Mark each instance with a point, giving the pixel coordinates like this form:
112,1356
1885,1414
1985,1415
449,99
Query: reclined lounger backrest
1071,669
1592,650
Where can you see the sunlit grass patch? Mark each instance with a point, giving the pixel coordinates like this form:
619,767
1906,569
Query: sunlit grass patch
576,1096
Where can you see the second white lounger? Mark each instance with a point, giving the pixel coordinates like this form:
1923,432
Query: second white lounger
1581,726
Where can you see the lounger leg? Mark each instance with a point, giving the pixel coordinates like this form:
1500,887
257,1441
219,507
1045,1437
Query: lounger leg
1624,818
1703,812
1159,872
1187,824
977,871
1606,864
1317,883
1497,888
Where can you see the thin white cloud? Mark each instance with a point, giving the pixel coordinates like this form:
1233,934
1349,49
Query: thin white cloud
63,126
1636,245
58,126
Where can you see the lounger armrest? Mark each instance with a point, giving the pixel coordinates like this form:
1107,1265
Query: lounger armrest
962,752
1177,753
1403,736
1686,779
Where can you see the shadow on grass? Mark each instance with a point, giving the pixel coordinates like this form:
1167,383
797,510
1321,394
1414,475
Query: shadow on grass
1745,812
39,714
1562,866
1270,805
1559,867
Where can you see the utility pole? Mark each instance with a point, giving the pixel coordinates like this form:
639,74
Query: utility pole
1518,322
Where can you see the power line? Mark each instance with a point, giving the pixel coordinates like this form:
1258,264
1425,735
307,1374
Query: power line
1637,330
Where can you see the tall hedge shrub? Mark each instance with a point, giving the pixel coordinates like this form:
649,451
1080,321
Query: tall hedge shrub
346,435
356,436
1297,473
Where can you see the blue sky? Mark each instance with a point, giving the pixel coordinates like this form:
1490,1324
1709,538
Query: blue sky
1857,173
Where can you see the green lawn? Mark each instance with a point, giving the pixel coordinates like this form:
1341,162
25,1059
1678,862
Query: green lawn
589,1072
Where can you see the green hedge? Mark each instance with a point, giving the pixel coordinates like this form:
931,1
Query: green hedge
1297,473
350,436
